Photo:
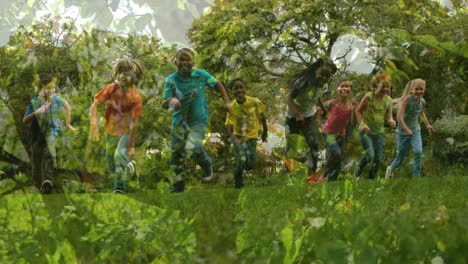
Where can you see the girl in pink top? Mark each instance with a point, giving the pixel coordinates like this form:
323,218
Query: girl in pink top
334,129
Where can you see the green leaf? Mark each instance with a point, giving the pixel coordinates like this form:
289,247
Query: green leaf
31,3
7,185
401,34
401,4
287,236
143,21
428,40
105,18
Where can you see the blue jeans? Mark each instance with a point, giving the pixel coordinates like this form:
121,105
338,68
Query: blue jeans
403,142
116,158
244,159
188,140
335,145
373,150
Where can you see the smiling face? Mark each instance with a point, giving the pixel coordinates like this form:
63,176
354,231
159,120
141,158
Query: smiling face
418,88
383,87
184,63
125,79
49,89
344,89
323,74
239,91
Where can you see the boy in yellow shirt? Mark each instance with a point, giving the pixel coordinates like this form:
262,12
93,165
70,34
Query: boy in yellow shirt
243,126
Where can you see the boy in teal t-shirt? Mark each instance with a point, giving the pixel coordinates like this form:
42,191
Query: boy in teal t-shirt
184,93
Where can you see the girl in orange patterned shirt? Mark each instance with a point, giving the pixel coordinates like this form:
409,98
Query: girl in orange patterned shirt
123,109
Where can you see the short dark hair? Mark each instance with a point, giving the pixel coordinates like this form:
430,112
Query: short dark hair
231,84
45,78
184,50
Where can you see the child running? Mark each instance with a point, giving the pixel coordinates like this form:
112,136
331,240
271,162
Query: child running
370,115
184,93
334,130
301,102
123,110
408,132
46,107
243,126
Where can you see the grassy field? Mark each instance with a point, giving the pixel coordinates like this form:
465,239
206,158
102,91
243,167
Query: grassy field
383,221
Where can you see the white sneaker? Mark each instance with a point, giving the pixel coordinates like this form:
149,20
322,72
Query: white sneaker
388,173
208,178
130,167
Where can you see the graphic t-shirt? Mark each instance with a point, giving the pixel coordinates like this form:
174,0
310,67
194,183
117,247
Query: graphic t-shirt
121,106
305,100
246,117
191,94
48,120
374,114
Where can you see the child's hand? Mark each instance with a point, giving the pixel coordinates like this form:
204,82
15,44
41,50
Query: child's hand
299,118
430,129
392,123
174,104
42,109
318,112
264,136
74,130
241,140
409,132
364,128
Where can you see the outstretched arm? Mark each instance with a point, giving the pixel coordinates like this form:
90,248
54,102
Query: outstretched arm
359,110
401,111
428,125
224,95
93,126
41,109
390,121
67,117
292,105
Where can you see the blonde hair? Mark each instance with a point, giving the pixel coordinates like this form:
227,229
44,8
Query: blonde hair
130,65
409,87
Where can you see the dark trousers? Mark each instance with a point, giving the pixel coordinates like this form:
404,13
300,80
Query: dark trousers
309,130
244,159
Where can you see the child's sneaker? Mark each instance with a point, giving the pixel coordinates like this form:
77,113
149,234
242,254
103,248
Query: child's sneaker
46,187
313,178
130,168
388,173
208,178
119,191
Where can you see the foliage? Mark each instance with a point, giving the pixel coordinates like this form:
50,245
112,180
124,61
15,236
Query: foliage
456,127
170,17
82,62
451,141
266,42
387,221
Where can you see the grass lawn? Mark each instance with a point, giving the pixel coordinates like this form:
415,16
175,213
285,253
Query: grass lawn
381,221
